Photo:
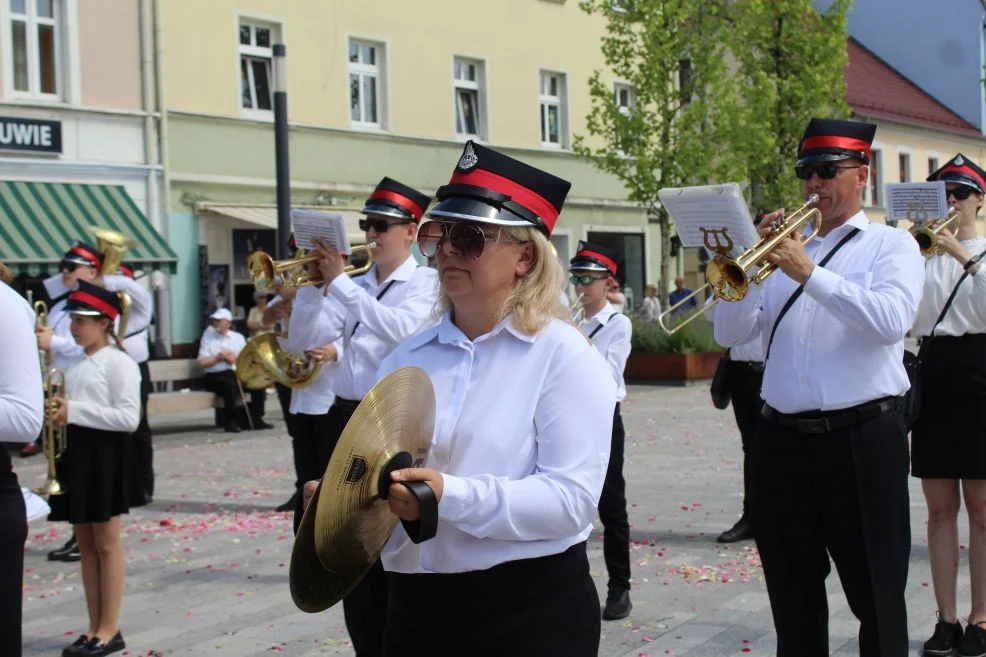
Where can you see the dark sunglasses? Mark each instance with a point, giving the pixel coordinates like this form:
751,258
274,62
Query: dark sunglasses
65,265
468,240
379,225
960,193
825,172
585,280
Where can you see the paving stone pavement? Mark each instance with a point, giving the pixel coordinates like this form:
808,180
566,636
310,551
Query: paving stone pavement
207,562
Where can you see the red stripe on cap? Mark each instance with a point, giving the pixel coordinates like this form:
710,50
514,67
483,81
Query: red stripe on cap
966,171
95,302
529,199
88,255
835,141
401,200
608,262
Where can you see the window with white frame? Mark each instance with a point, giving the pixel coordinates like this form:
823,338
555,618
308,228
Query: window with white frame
366,83
256,56
904,163
469,96
553,109
932,165
624,97
34,51
871,193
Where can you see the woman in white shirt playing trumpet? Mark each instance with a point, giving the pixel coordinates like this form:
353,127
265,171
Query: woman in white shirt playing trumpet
100,410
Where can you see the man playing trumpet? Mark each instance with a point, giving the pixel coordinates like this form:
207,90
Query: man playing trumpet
831,472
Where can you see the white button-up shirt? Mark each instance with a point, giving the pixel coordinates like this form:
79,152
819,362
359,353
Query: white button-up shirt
406,308
967,314
65,351
21,400
612,341
842,342
103,391
213,343
318,397
521,438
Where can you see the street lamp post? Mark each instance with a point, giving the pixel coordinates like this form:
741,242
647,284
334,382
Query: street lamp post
281,152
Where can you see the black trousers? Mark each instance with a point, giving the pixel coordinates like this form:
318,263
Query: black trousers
311,446
613,512
284,400
142,448
525,608
841,494
744,382
13,520
224,385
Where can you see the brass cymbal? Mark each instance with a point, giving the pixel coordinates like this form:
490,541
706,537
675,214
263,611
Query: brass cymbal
346,526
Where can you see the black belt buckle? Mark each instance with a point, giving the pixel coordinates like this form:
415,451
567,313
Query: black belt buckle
814,425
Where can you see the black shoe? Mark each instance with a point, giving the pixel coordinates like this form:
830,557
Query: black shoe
260,424
945,640
290,505
741,531
232,428
66,552
29,449
973,644
77,647
96,647
618,604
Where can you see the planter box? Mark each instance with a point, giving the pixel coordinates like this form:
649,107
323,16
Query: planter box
671,367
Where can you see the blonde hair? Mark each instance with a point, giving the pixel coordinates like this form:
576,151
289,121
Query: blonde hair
535,299
6,275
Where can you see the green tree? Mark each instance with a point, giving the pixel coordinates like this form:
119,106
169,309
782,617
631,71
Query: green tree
661,127
790,62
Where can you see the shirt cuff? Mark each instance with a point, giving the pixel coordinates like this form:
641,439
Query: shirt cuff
822,283
343,288
453,505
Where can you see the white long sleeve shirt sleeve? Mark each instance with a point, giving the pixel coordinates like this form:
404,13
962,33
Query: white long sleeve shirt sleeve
103,391
842,342
64,350
610,331
212,343
141,312
21,398
318,397
967,314
521,439
371,328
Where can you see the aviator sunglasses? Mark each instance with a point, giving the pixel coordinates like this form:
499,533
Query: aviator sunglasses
585,280
468,240
960,193
379,225
825,172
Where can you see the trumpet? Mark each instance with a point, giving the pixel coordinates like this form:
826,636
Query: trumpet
55,439
927,236
41,322
727,278
577,311
265,272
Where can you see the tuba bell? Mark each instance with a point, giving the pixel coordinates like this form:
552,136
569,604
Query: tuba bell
113,245
263,361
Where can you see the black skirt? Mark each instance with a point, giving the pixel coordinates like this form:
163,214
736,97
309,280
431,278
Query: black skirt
94,473
525,608
948,441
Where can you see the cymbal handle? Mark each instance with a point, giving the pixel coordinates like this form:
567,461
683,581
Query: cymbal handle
426,526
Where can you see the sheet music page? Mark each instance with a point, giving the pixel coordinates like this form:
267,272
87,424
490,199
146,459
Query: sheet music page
312,224
916,201
710,216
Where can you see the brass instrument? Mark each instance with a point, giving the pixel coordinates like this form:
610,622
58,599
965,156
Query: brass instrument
41,322
55,438
113,245
265,272
577,311
727,277
927,236
262,361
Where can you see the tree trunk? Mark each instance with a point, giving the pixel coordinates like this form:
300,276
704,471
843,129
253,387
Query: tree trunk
662,285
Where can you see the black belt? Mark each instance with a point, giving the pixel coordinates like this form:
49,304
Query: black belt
816,422
346,404
752,365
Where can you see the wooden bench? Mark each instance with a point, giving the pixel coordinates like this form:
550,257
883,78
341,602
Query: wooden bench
171,392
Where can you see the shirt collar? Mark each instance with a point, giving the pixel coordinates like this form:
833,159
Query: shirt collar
604,314
402,273
446,332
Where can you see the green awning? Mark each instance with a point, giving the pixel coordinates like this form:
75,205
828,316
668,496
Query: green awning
39,222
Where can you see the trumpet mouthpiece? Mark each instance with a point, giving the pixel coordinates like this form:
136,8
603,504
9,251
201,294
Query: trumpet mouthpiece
812,199
371,245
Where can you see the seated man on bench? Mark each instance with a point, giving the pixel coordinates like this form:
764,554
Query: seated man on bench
217,355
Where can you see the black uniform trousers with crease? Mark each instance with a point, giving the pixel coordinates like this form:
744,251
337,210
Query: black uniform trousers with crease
744,380
842,494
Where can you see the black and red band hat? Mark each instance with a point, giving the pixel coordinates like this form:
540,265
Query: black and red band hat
93,301
127,270
395,199
490,187
831,140
963,171
595,257
81,253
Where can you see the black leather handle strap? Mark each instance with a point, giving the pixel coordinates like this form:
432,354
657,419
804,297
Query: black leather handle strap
426,527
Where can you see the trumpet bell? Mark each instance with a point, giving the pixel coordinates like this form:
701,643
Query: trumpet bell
927,236
265,272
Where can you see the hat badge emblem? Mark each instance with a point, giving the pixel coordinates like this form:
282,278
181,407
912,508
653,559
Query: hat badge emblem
469,158
959,161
